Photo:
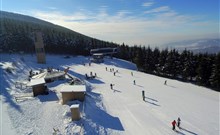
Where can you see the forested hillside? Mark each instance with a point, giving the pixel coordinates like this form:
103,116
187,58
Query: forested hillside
16,35
201,69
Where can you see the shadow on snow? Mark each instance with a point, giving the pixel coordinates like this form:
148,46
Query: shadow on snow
52,96
96,114
151,101
188,131
5,93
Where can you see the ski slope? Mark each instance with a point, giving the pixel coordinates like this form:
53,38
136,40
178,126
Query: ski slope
120,110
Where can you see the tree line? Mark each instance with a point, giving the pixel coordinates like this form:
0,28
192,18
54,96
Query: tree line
202,68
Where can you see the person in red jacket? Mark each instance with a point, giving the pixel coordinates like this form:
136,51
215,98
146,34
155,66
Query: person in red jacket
174,124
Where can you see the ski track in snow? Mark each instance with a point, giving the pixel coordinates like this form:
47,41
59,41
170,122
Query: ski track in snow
119,111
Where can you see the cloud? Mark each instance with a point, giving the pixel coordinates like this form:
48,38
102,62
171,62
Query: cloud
147,4
128,27
52,8
159,9
52,16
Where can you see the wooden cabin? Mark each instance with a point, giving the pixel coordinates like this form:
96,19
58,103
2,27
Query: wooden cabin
38,86
73,92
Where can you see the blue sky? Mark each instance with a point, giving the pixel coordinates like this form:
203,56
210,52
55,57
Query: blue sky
145,22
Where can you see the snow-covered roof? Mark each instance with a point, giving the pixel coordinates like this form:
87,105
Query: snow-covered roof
54,74
41,75
74,106
73,88
97,54
36,81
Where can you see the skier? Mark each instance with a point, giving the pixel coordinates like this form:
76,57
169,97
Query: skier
174,124
106,68
143,95
165,83
178,122
131,73
114,73
134,82
111,85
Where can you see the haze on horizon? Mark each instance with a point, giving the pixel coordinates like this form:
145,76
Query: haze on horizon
139,22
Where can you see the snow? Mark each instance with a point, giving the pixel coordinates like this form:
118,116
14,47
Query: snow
120,110
36,81
73,88
74,106
41,75
5,122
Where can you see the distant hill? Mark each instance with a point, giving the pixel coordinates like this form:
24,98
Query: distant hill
197,46
16,34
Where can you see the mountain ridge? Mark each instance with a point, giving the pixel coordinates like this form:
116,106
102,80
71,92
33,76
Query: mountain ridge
197,45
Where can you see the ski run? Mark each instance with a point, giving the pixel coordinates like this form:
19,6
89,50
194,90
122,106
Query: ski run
121,110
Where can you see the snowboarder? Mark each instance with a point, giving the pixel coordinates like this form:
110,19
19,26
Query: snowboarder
178,122
143,95
134,82
174,124
165,83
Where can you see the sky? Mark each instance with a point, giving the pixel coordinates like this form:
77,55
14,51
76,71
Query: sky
133,22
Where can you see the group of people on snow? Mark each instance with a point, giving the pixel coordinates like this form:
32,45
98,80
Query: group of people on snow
174,124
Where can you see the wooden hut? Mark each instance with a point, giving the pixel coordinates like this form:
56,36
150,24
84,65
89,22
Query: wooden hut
73,92
75,113
38,86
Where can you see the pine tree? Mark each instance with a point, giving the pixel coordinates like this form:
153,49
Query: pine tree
162,62
215,77
156,56
204,70
172,65
148,63
187,66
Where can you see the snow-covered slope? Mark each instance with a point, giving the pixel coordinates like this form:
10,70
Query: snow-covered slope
120,110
